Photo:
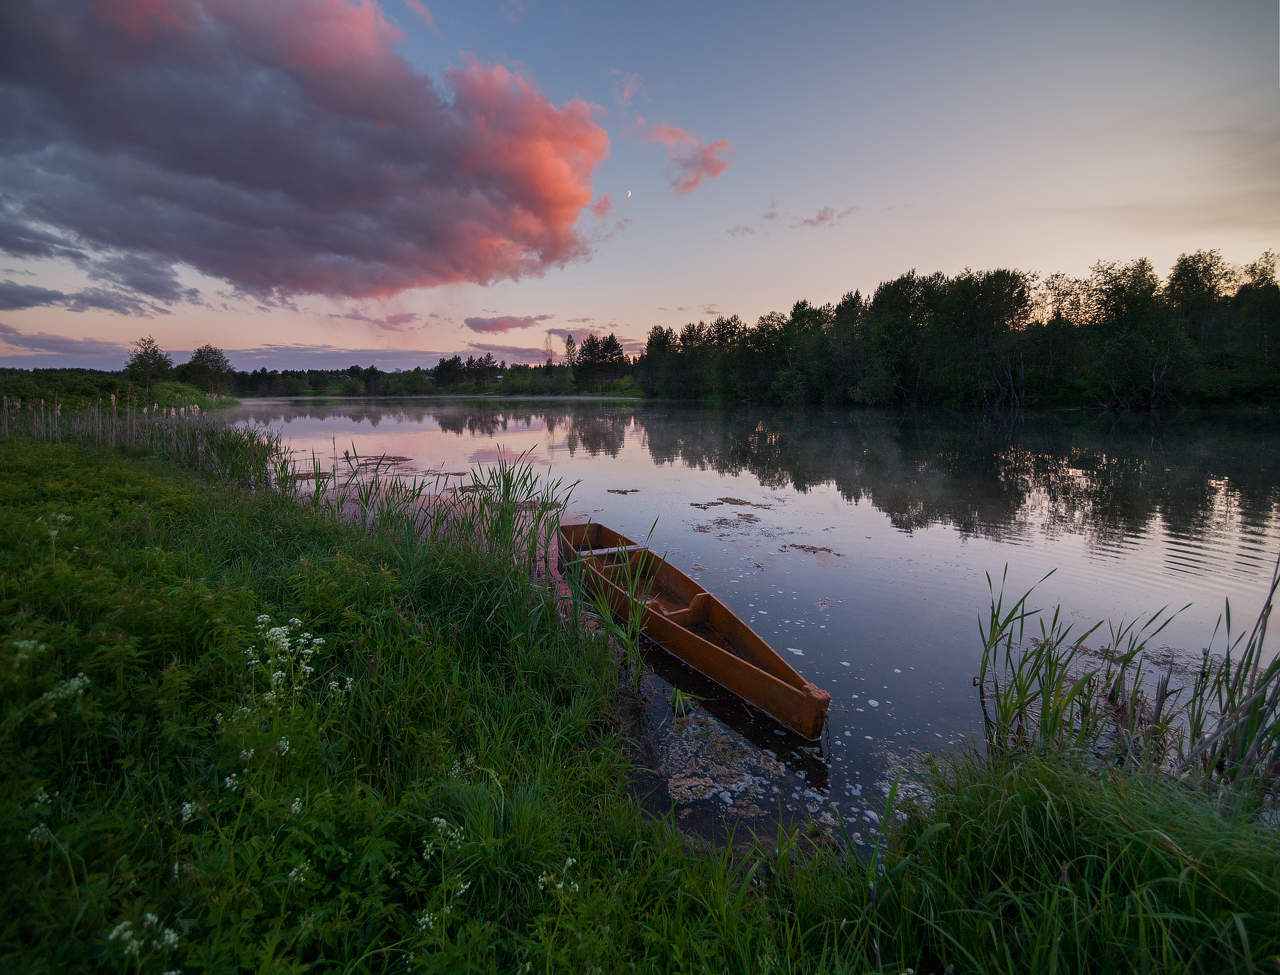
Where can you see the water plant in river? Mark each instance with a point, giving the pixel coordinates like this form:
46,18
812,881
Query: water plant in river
1048,694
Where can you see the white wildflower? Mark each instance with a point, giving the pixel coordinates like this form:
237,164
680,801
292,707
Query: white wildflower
232,782
282,746
299,873
39,835
123,934
246,756
427,921
295,807
187,811
73,687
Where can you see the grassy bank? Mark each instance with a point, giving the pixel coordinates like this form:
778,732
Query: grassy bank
77,388
239,733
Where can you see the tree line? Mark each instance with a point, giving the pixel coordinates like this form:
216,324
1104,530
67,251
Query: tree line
1208,334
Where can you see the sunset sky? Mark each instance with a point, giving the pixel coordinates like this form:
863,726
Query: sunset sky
320,183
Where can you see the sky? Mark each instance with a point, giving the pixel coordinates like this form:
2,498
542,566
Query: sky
322,183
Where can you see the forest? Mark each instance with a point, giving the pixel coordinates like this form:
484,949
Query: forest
1001,339
1120,338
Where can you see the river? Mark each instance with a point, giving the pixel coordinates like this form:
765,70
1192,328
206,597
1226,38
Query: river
860,545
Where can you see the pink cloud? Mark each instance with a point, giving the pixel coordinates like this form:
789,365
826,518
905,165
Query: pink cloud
702,162
740,230
626,86
423,13
826,217
503,323
602,206
692,160
286,148
397,322
671,136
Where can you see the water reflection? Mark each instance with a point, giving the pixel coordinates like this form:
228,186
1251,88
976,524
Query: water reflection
861,542
1108,477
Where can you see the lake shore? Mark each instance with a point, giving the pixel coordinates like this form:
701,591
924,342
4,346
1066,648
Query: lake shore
238,729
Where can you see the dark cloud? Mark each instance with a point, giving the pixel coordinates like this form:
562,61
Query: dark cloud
503,323
122,303
285,147
134,272
14,296
329,357
512,353
570,333
399,322
629,346
61,345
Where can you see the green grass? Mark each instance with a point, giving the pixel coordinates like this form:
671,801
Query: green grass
439,784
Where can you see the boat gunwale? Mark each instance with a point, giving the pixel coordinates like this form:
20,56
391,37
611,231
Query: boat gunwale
806,692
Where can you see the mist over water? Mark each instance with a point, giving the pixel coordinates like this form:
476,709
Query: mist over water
859,545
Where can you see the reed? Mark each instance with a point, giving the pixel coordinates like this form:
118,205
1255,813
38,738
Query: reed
633,573
1040,692
247,730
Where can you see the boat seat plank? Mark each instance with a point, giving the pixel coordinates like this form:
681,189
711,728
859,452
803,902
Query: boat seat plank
695,612
594,553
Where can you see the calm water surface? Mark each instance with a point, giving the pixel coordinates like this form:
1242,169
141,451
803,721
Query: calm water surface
859,545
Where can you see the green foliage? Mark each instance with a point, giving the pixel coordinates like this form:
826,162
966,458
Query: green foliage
76,388
1036,865
209,369
240,732
148,363
999,339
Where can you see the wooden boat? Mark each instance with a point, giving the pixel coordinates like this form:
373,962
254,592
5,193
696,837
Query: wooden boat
690,623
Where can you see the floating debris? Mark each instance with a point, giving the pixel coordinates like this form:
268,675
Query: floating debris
811,549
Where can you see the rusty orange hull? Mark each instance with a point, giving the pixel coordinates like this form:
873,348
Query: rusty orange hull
690,623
